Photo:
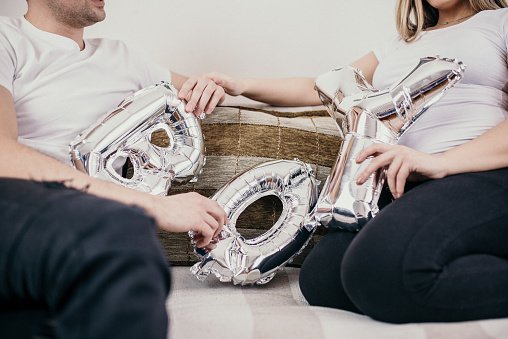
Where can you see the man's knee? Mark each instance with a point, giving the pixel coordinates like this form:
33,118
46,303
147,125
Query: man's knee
126,234
108,246
122,227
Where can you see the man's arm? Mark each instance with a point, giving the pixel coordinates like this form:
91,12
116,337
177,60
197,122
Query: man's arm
177,213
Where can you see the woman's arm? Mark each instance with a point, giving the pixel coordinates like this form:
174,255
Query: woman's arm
367,64
487,152
281,92
297,91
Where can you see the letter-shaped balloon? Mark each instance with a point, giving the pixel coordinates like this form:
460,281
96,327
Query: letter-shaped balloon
365,115
368,116
255,261
126,133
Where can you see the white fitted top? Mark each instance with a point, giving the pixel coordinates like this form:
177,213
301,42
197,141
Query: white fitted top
475,104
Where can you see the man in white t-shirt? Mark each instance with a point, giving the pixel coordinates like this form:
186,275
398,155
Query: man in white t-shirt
78,250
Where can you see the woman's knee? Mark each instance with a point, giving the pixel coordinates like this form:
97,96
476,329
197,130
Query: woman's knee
309,281
371,275
319,280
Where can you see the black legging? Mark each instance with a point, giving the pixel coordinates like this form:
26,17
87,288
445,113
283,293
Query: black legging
92,266
439,253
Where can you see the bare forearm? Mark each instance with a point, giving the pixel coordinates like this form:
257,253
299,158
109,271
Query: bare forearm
282,92
297,91
487,152
19,161
178,79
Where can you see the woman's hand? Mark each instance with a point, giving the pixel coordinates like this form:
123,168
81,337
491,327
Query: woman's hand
231,85
202,94
402,163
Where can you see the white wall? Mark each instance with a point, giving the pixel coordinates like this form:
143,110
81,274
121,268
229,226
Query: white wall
245,37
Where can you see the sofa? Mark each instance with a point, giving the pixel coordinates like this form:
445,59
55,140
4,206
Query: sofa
236,139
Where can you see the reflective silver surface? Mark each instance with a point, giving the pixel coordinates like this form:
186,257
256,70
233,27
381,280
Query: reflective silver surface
255,261
126,133
365,116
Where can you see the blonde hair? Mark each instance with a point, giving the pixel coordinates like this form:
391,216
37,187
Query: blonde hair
414,16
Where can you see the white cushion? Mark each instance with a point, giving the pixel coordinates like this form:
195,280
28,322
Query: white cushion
211,309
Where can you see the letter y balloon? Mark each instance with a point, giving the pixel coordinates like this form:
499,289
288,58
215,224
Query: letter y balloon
366,116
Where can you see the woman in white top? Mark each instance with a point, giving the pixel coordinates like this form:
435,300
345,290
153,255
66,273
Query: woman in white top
438,251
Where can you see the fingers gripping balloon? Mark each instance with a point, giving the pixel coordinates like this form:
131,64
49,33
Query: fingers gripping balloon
365,116
126,133
368,116
249,261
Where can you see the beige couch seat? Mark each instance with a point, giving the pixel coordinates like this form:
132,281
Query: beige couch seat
214,310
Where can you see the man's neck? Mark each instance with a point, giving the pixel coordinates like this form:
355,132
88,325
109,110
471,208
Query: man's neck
44,20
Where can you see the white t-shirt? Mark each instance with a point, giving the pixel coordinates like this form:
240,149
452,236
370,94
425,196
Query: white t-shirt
475,104
59,90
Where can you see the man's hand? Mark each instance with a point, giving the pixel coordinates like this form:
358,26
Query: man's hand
202,95
401,163
189,212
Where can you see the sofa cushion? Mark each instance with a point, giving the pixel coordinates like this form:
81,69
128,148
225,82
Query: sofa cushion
278,310
239,138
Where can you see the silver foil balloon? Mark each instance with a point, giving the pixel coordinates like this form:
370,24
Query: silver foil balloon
255,261
368,116
126,133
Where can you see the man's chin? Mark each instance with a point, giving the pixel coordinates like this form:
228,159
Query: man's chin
98,17
102,17
100,13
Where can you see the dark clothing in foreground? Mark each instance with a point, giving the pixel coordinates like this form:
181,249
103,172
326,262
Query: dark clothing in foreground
91,265
439,253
